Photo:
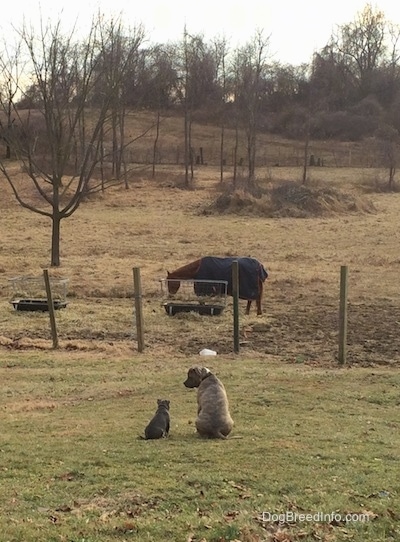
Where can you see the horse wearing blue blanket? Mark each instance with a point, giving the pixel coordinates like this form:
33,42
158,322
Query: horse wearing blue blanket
252,275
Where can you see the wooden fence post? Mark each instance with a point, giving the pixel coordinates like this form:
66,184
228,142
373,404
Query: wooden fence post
138,308
235,295
50,306
343,314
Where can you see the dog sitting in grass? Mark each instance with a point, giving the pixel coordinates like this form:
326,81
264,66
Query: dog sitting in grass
213,417
158,426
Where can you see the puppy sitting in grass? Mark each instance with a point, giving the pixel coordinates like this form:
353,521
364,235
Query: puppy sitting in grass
213,417
158,426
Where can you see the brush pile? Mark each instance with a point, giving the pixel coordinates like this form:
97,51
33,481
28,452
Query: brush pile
302,201
291,199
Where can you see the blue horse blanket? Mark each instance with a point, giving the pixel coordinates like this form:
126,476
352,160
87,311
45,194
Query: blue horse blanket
250,272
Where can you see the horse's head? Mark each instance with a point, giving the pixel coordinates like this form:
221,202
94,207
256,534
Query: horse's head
173,284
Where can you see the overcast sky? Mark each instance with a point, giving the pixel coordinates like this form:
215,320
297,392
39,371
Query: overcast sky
296,28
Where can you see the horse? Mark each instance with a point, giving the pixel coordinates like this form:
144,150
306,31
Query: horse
252,276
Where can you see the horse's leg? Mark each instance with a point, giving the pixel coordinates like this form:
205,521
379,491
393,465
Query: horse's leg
259,298
248,306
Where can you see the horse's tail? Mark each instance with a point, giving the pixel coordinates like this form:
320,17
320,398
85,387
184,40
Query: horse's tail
262,273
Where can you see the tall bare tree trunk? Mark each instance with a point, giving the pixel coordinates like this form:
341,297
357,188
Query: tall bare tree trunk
101,137
221,173
156,143
191,157
392,171
187,148
306,147
235,154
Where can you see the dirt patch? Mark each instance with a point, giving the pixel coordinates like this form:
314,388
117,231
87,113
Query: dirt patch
300,334
293,331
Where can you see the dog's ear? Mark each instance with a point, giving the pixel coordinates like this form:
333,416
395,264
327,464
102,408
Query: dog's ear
204,372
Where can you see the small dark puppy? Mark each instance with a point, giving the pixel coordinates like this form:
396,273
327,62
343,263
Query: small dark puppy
213,417
158,426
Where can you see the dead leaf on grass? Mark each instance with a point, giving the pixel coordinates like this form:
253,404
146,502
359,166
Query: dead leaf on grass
247,535
369,514
282,536
126,527
233,514
105,516
392,514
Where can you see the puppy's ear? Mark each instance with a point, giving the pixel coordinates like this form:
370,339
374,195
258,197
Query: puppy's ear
159,401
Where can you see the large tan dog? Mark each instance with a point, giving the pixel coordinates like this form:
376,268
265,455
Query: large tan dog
213,418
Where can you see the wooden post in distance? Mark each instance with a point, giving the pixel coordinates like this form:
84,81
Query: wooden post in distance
235,295
50,306
138,308
343,314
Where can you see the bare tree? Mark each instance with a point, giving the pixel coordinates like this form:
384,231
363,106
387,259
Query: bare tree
362,46
161,78
187,119
198,87
10,72
389,142
118,59
311,106
221,53
58,143
235,85
250,71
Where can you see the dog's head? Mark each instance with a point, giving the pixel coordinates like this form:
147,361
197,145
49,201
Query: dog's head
195,376
164,403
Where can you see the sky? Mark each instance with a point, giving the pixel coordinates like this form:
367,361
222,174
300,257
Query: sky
296,29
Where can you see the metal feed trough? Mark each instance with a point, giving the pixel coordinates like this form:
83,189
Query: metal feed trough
206,297
29,293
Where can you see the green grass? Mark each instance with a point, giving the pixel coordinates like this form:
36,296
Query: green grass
312,440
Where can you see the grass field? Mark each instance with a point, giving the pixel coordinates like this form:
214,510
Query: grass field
316,438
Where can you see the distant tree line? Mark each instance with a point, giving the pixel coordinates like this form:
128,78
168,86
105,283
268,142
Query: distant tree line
65,100
350,88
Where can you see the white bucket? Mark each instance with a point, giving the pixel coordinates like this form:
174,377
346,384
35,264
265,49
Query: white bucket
207,352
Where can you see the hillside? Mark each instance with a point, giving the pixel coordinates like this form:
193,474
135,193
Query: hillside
272,150
206,140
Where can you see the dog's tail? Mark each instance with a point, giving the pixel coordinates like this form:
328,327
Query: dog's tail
218,434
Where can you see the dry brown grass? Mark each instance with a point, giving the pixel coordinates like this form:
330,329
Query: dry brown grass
158,227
